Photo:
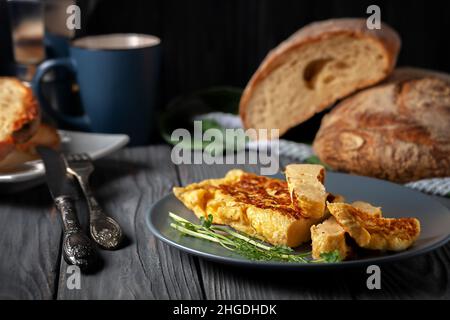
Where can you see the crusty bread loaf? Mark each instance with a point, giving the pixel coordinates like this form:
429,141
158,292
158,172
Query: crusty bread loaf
45,136
316,66
19,114
399,130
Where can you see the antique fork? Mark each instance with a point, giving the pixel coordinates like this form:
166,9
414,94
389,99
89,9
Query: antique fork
104,230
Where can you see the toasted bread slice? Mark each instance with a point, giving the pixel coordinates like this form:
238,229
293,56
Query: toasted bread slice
256,205
305,183
45,136
374,232
329,236
19,114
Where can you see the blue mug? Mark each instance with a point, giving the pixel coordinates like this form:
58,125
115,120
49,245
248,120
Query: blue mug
56,46
58,87
117,75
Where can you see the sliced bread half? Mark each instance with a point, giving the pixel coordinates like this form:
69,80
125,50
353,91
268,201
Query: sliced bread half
319,64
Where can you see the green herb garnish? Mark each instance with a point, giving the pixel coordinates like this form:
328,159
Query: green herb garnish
206,222
330,257
242,244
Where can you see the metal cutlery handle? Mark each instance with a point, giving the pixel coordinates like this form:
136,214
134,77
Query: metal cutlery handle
95,211
77,247
104,230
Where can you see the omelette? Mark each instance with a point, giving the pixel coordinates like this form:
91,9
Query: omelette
256,205
371,231
305,183
296,211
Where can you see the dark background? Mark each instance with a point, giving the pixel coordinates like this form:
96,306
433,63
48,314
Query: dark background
222,42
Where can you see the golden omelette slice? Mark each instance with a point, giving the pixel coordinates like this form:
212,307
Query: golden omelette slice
329,235
306,188
256,205
372,232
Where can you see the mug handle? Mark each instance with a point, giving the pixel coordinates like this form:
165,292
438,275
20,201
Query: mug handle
81,122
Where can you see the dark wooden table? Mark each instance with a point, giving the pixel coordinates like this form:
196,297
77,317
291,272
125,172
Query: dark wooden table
127,184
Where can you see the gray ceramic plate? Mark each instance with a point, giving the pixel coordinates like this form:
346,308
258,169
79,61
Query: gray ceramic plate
395,200
31,173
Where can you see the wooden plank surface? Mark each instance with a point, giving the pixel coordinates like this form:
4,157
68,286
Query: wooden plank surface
127,184
30,237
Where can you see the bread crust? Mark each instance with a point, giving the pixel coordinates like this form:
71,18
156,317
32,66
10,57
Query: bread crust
26,124
399,130
386,38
